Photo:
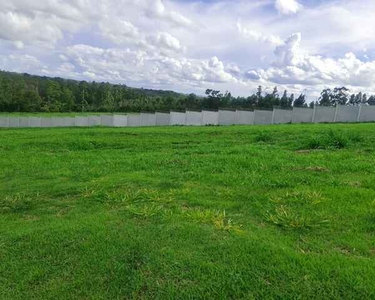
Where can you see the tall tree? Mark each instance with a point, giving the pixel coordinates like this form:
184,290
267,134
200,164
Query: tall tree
339,96
300,101
285,100
325,97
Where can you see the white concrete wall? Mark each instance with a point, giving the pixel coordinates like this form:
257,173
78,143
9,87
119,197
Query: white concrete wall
14,122
227,117
324,114
282,116
193,118
82,121
162,119
24,122
4,122
69,121
95,121
302,115
120,121
262,117
46,122
35,122
367,114
107,120
347,113
58,121
244,117
134,120
210,117
177,118
148,119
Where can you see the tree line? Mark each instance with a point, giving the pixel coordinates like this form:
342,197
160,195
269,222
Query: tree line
30,93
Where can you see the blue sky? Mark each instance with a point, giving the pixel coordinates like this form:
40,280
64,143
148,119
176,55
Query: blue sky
189,45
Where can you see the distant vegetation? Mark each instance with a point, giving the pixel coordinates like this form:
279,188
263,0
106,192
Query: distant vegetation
30,93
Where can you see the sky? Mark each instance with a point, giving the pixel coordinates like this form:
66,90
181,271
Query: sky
191,45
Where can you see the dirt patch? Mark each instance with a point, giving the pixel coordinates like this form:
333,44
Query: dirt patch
313,168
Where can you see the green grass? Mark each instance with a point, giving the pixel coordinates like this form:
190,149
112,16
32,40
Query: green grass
240,212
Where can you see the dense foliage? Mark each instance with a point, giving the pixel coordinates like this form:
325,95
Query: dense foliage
30,93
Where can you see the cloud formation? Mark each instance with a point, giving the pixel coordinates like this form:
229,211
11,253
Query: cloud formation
288,6
193,45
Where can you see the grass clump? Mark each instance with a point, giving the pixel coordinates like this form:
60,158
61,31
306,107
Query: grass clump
286,217
332,140
263,137
216,218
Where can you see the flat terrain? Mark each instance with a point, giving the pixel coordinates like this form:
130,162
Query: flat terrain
273,212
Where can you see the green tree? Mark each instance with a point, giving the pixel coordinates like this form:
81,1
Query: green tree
339,96
110,103
213,99
68,100
284,101
371,100
325,97
300,101
53,96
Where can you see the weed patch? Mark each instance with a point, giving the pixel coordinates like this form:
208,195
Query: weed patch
263,137
286,217
331,140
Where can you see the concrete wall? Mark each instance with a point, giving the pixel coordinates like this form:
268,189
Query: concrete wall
162,119
347,113
193,118
69,121
118,121
23,122
95,121
244,117
46,122
148,119
82,121
210,117
367,114
4,122
14,122
134,120
282,116
35,122
263,117
177,118
324,114
107,120
57,122
302,115
227,117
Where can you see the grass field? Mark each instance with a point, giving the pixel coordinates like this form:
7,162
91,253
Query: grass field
274,212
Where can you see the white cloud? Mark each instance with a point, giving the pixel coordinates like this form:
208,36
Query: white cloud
292,66
258,36
156,9
166,41
192,45
288,6
140,66
18,63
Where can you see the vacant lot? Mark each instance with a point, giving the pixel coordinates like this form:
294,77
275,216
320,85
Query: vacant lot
188,213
